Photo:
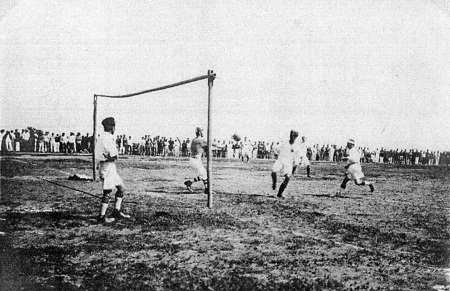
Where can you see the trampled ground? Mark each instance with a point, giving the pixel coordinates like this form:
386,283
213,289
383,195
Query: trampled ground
394,239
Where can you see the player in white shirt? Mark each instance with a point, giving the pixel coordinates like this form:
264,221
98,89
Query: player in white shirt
288,157
354,170
106,154
246,148
198,146
303,160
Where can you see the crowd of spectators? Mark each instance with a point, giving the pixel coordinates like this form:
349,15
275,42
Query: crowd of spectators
35,140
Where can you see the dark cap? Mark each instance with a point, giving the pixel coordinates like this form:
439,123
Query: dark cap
109,121
294,133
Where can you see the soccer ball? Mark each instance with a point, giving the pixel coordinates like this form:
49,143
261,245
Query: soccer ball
236,136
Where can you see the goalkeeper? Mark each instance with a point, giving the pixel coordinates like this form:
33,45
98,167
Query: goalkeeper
198,147
106,155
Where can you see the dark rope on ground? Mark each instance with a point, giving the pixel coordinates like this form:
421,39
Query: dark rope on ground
84,192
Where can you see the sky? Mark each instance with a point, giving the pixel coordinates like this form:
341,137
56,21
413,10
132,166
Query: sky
374,71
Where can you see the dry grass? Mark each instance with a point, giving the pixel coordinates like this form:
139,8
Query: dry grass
394,239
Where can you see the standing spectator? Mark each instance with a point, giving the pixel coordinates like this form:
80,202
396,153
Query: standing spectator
130,145
26,140
142,146
46,142
57,143
17,140
188,144
2,135
13,139
78,140
63,144
41,141
71,143
184,149
8,141
176,147
125,144
170,147
52,143
34,136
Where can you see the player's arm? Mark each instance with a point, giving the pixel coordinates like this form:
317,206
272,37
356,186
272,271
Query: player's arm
110,158
111,152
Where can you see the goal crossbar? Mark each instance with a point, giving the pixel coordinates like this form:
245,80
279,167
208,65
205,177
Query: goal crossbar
210,76
156,89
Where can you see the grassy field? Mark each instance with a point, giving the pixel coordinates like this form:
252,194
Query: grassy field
394,239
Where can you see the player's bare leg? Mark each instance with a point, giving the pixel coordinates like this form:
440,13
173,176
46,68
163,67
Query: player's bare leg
283,186
344,182
364,183
117,214
103,207
274,181
308,171
205,182
189,183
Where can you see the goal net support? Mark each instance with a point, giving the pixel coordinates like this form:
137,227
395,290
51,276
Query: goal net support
210,76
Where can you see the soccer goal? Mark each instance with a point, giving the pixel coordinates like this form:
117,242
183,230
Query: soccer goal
210,76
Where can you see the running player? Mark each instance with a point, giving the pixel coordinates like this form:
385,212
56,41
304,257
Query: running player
354,170
198,147
289,153
303,158
106,156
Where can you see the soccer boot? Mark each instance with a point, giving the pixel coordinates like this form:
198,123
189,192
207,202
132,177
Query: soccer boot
104,219
274,186
188,185
117,214
343,186
372,188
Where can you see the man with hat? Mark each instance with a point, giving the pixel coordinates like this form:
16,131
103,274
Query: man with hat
287,158
354,170
198,147
106,154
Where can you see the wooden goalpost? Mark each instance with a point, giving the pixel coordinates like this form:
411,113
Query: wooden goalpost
210,76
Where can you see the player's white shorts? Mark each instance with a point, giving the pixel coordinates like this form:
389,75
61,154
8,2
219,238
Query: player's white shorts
354,172
198,166
304,162
109,176
246,153
283,168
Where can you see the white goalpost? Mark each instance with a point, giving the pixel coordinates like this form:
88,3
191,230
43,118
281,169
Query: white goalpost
210,76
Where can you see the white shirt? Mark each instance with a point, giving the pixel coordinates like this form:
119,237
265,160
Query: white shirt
289,153
105,146
302,149
353,155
